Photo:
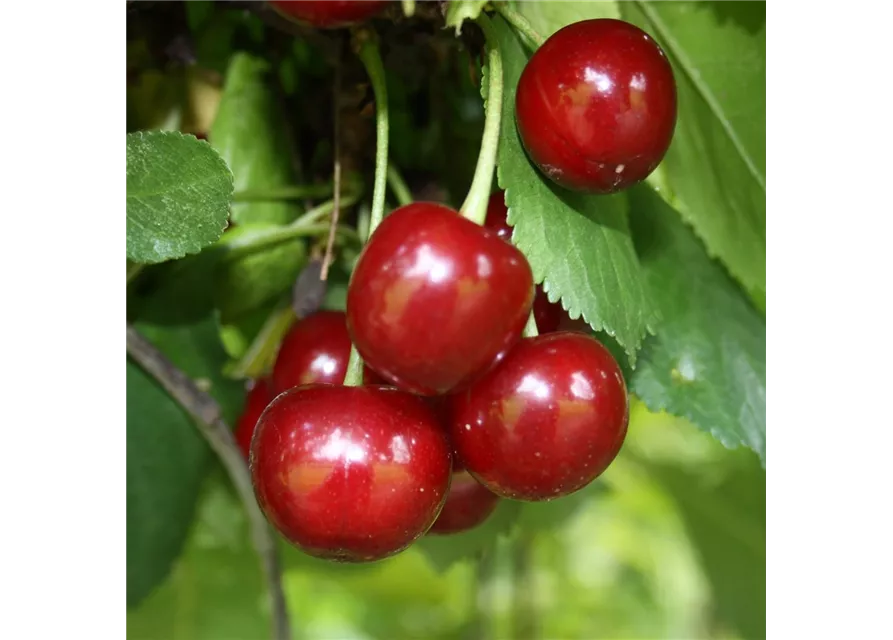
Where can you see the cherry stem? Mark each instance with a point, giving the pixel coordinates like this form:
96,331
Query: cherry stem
307,225
475,206
350,184
258,358
408,8
530,329
336,172
366,44
398,186
533,39
205,413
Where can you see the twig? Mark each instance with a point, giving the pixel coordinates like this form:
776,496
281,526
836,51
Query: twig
206,414
336,172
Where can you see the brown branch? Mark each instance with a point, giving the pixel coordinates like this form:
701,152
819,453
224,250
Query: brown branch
206,414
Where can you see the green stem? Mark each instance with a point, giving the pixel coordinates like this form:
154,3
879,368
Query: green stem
520,24
349,185
306,225
530,329
408,8
398,186
261,353
371,57
368,52
475,206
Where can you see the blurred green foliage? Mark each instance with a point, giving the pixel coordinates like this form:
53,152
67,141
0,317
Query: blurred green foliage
638,557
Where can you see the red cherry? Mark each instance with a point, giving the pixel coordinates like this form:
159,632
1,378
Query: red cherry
351,474
315,350
435,301
329,14
497,216
257,399
546,422
548,315
596,106
468,504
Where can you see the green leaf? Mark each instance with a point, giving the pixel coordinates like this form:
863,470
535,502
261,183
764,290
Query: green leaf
716,165
251,134
707,362
249,281
216,588
166,456
178,193
548,17
460,10
445,551
579,244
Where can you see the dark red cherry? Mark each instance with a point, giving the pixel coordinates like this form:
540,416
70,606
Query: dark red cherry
315,350
351,474
256,400
548,315
497,216
546,422
435,301
596,106
468,504
329,14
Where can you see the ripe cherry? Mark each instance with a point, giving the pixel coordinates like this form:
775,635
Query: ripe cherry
329,14
351,474
435,300
596,106
546,422
315,350
256,400
548,315
468,504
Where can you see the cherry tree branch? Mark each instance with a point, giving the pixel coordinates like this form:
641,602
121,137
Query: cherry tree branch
207,417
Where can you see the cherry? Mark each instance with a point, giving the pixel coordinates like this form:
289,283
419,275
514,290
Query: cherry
315,350
256,400
468,504
329,14
548,315
435,300
596,106
546,422
351,474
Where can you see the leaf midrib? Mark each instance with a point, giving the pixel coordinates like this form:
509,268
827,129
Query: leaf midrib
701,87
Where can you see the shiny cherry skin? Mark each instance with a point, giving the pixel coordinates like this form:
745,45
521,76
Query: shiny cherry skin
256,400
548,315
546,422
596,106
468,505
315,350
329,14
435,300
350,474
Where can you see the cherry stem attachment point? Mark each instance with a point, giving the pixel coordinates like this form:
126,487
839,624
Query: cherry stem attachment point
530,329
533,39
206,415
366,45
475,206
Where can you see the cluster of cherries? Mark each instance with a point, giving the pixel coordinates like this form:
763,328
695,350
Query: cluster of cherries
456,409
